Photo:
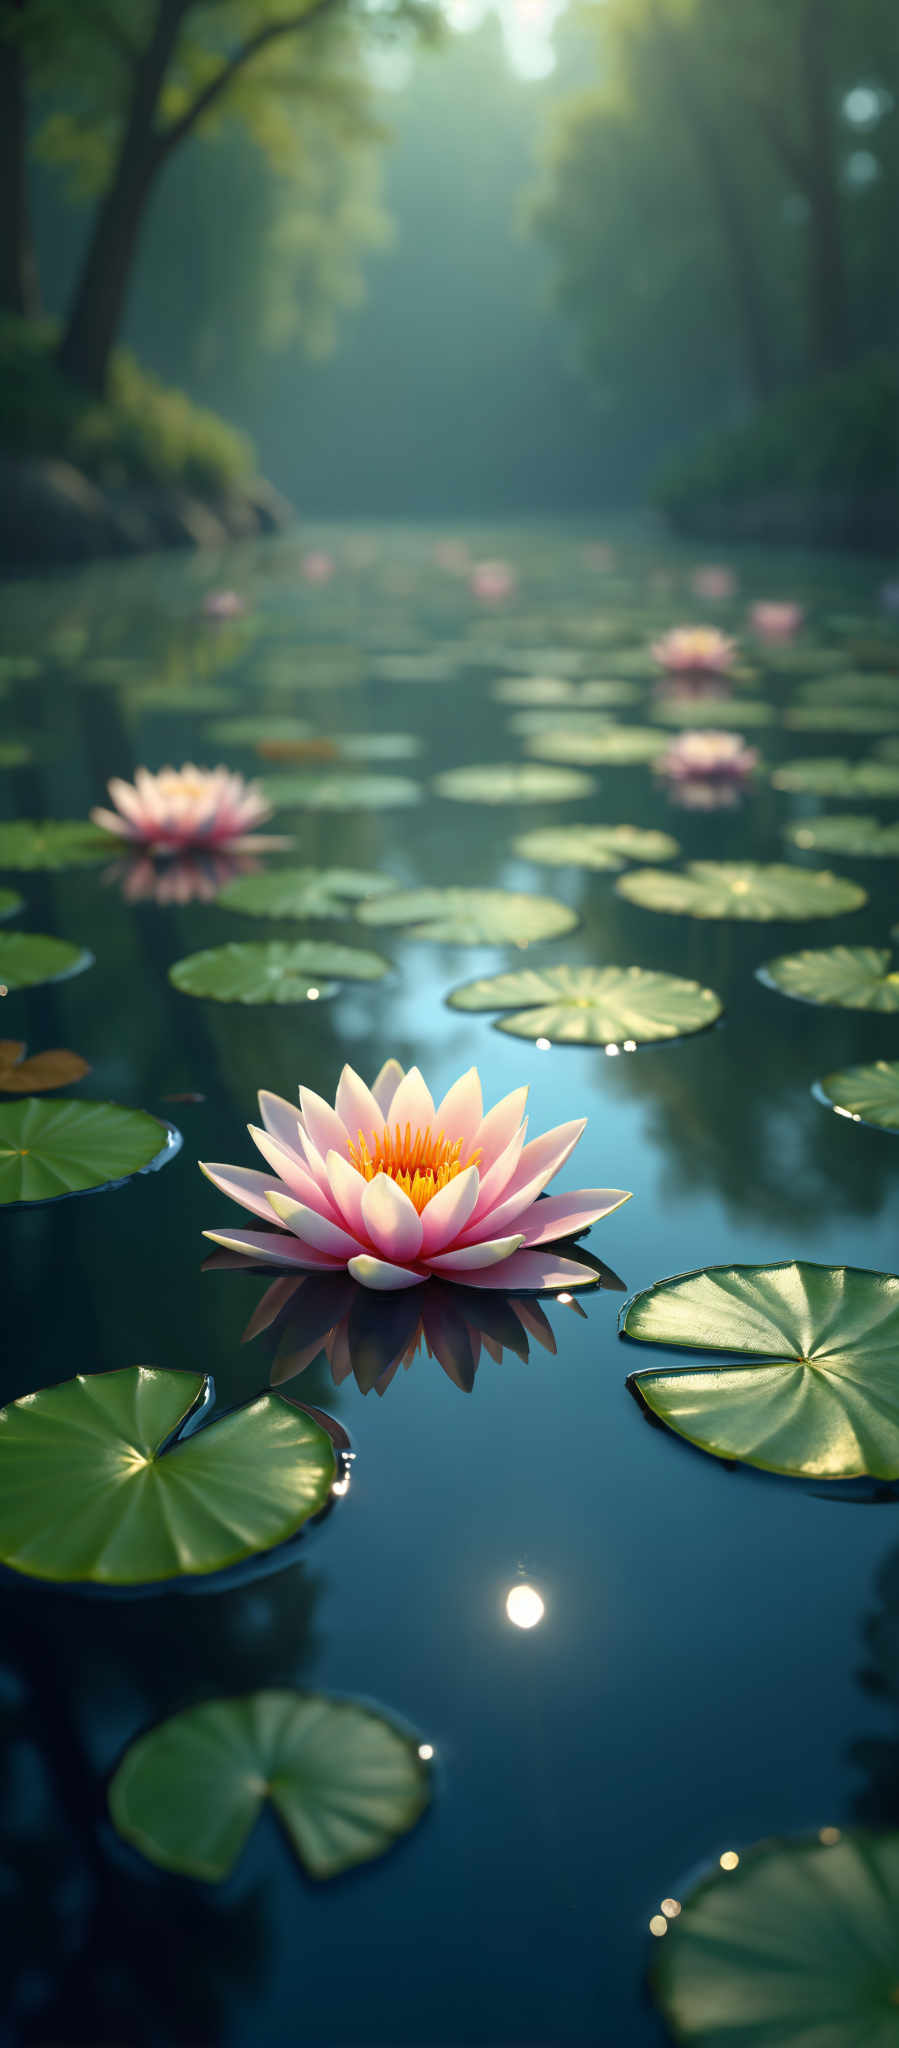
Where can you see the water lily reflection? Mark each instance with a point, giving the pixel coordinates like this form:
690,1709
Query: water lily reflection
371,1337
184,878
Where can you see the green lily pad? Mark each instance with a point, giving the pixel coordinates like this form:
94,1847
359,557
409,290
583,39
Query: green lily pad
847,977
829,775
247,732
601,847
797,1947
276,971
838,717
819,1397
593,1005
28,958
310,668
513,782
93,1487
315,791
749,890
14,754
302,892
49,1149
562,694
18,668
867,684
471,917
850,834
617,745
344,1781
710,713
10,902
52,843
869,1095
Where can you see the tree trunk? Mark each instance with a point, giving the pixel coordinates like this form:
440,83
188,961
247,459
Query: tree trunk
102,288
829,333
18,267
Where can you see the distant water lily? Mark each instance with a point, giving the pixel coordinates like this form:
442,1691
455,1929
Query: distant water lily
224,604
317,567
207,808
453,556
492,581
706,770
713,580
775,619
695,650
393,1188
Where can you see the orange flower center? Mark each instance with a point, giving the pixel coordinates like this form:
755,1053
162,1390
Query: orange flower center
421,1162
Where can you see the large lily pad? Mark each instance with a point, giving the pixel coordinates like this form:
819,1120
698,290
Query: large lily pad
249,731
343,792
867,684
49,1149
795,1947
44,1070
29,958
302,892
600,847
848,977
593,1005
848,834
829,775
513,782
836,717
93,1487
277,971
51,843
14,754
471,917
751,890
617,745
344,1781
711,713
819,1395
869,1095
10,902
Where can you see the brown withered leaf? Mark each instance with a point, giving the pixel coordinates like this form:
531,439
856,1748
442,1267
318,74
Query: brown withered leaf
298,750
21,1076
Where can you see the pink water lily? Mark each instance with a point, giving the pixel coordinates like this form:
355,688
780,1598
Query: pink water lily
712,580
393,1188
706,771
224,604
492,581
693,650
207,808
776,619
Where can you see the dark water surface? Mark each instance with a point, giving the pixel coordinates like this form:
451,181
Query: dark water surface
699,1678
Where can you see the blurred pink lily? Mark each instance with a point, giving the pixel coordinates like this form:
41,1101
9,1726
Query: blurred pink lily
706,770
695,650
775,620
205,808
713,581
492,581
224,604
392,1188
317,567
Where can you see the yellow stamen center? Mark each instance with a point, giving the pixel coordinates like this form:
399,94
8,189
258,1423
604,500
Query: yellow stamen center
421,1162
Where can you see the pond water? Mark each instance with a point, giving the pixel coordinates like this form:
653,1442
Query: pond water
701,1676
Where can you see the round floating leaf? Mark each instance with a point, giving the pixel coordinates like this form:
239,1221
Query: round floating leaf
18,668
513,782
19,1076
52,843
10,902
318,792
849,834
714,712
302,892
92,1487
617,745
873,688
838,717
471,917
600,847
247,732
345,1783
48,1149
819,1398
798,1947
310,668
593,1005
562,695
28,958
869,1095
278,971
829,775
14,754
742,889
848,977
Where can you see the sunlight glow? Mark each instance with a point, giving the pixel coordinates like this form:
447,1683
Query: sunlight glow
524,1606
